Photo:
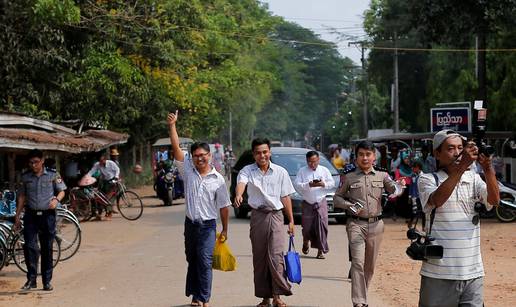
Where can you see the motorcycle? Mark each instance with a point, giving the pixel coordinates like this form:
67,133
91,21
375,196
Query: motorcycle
506,210
167,185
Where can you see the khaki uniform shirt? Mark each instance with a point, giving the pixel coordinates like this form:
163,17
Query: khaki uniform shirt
366,188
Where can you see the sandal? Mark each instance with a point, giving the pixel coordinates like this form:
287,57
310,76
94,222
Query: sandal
195,303
320,256
305,249
264,303
279,304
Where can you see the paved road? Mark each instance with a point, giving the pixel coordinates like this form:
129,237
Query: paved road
142,263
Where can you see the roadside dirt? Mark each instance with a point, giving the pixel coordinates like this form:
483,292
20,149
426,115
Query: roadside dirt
397,277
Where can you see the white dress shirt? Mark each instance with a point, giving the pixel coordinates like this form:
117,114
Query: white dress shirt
266,189
313,195
110,171
204,196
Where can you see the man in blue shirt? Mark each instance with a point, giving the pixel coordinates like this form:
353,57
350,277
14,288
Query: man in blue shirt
41,190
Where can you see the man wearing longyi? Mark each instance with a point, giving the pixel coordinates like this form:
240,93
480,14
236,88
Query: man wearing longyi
268,190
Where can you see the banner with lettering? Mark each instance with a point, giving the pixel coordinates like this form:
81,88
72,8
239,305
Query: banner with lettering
458,119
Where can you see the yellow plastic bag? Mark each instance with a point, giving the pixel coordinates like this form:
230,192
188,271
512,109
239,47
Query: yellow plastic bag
223,259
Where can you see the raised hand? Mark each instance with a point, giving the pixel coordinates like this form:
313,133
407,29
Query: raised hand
172,118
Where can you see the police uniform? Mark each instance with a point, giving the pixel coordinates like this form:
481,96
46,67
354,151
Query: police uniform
365,230
39,221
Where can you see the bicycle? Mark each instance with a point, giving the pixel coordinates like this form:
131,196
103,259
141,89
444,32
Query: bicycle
84,201
68,232
12,246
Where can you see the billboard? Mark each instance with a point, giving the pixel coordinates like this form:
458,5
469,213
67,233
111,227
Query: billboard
454,118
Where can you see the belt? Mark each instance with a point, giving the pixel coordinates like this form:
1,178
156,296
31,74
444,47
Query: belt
40,212
367,219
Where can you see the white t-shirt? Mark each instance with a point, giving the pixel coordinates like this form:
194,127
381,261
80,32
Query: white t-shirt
453,227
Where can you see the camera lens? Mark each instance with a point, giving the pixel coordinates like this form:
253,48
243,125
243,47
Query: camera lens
475,219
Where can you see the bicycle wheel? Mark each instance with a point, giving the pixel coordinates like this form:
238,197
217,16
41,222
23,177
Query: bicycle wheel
69,234
130,205
3,252
19,256
82,209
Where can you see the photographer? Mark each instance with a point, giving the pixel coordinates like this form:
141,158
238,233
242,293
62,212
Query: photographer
361,194
457,278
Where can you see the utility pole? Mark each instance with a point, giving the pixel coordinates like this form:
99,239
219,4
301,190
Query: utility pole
230,130
396,87
365,112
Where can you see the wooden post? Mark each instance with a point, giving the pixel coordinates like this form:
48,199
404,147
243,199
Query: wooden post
140,161
133,149
11,158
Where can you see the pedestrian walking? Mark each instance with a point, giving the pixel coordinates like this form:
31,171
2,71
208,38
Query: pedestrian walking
206,196
268,190
364,227
451,195
313,182
39,194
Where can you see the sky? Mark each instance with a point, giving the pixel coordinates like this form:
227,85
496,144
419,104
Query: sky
320,15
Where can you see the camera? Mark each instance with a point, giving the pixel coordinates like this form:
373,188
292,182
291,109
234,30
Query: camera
479,126
356,207
421,248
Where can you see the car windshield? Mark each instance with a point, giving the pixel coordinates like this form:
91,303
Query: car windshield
293,162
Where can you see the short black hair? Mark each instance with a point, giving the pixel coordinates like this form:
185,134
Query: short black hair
260,141
198,145
35,153
417,163
311,153
102,154
367,145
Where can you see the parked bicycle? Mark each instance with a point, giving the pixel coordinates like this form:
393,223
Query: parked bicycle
12,245
86,200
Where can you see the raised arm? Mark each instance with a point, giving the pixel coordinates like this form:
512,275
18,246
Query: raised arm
493,191
174,138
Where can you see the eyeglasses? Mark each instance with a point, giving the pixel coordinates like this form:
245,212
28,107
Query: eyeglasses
34,162
199,156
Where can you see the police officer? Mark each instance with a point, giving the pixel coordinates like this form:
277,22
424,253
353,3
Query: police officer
41,190
364,185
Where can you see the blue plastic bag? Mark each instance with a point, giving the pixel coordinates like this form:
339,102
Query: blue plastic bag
292,263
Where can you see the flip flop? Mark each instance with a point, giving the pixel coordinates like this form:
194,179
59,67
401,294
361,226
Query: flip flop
279,304
264,304
305,249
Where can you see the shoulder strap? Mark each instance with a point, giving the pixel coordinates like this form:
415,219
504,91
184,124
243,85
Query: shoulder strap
432,214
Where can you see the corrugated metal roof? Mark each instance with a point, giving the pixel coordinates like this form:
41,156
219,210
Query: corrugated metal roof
18,131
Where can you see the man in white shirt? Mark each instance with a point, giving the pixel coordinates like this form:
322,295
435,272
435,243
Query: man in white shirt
268,190
313,182
457,278
206,194
109,173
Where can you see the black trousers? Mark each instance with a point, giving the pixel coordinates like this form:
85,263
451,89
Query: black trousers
40,225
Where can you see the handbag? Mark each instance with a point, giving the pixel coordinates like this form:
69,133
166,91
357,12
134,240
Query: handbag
292,263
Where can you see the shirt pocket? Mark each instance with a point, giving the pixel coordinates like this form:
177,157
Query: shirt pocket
356,190
46,184
272,189
376,189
